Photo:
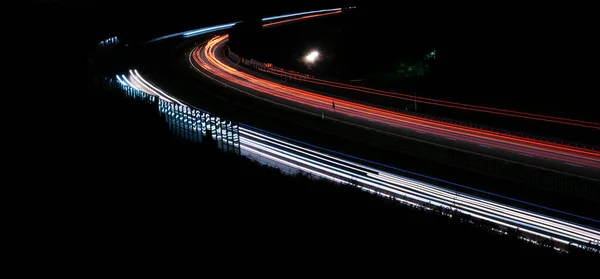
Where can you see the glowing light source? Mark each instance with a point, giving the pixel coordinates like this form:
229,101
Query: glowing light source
311,57
205,58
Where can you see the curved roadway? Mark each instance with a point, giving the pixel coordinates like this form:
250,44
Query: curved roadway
210,59
279,150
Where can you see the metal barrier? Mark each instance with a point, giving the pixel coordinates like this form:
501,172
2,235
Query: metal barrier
288,75
538,177
110,41
186,123
198,126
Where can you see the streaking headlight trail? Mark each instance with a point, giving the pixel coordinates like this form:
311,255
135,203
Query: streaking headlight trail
206,58
278,151
205,30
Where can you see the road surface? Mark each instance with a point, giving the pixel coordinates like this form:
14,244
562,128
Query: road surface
293,156
211,60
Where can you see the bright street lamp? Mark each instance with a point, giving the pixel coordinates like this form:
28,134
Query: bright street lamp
311,57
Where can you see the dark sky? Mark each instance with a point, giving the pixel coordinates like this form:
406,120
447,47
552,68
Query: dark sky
51,95
547,48
59,34
157,17
573,25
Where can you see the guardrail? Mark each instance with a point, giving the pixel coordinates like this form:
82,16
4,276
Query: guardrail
110,41
293,76
186,123
195,125
526,174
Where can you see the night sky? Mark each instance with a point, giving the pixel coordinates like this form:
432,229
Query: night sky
549,53
544,57
541,56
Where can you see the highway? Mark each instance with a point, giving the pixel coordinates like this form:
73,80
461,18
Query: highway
290,155
293,156
210,59
430,101
270,148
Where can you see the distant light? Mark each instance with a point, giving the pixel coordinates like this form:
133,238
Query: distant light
312,56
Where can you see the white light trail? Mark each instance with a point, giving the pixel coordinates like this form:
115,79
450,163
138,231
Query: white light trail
299,14
344,171
128,83
152,87
341,170
205,30
120,81
529,222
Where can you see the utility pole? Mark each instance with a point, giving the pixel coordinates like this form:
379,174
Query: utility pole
415,101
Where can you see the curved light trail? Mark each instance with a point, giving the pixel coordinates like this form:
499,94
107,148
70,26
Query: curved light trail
206,58
436,102
270,148
273,149
341,170
135,80
210,29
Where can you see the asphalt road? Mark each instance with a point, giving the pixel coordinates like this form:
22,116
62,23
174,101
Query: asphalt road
480,147
278,151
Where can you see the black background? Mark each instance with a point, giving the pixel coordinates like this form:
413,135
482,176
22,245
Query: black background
73,168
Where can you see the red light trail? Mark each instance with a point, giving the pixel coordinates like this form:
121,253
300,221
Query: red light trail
424,100
205,57
443,103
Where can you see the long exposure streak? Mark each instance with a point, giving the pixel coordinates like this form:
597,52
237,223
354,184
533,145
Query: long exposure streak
319,162
206,58
436,102
271,147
